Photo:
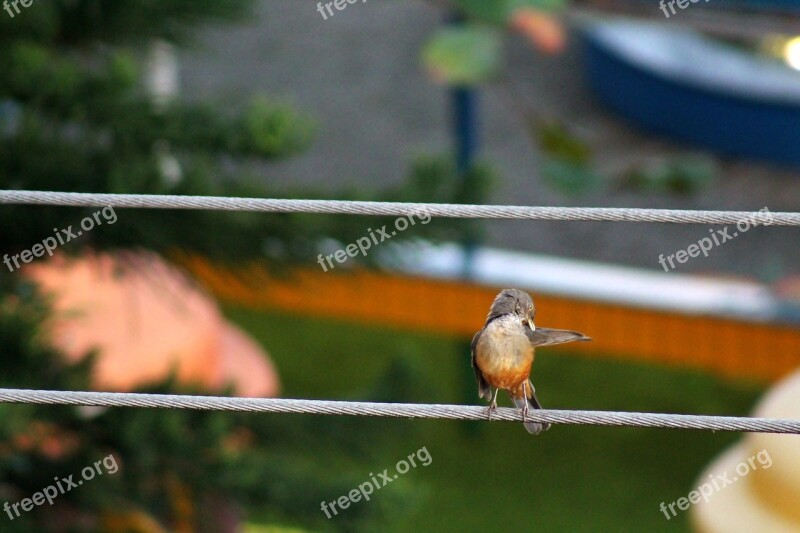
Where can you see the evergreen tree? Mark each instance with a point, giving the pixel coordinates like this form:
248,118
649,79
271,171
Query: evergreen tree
75,116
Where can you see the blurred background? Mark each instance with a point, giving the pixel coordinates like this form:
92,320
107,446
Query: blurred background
586,103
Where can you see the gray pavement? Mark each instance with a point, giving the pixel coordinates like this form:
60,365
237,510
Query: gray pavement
358,74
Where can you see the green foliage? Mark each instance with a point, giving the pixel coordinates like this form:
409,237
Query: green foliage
76,23
500,11
567,159
274,129
74,117
27,357
436,178
680,175
463,55
570,178
80,123
172,461
568,167
558,142
470,53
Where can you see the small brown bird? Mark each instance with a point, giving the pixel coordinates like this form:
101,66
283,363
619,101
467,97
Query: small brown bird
503,352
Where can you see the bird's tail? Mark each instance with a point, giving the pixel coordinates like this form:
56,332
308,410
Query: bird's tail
534,428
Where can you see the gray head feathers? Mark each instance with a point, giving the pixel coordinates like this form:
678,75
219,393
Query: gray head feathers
511,301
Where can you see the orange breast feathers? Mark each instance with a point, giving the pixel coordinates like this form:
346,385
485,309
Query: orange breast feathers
504,354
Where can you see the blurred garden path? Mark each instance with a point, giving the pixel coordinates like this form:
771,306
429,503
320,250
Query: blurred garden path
358,73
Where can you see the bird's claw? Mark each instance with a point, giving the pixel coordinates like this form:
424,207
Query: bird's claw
493,405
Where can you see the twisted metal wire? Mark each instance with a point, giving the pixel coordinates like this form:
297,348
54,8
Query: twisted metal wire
271,205
399,410
451,412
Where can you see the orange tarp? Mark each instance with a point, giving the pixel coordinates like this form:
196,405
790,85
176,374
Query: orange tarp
733,348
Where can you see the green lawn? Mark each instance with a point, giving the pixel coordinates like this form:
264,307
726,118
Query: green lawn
494,476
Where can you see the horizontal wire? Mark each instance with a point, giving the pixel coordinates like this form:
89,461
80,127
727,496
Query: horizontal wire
399,410
268,205
452,412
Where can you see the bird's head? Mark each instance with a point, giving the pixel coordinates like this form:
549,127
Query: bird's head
513,302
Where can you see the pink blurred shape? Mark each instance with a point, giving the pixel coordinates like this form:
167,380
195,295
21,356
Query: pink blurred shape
147,319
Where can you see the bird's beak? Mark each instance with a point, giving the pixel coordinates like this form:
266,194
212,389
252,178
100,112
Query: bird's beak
530,323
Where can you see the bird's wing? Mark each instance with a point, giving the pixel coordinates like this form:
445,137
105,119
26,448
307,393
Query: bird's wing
484,390
549,337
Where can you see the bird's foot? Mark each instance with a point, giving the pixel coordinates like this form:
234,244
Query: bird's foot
493,405
524,403
492,409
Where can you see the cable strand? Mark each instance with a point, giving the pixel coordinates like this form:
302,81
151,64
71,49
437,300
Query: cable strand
398,410
270,205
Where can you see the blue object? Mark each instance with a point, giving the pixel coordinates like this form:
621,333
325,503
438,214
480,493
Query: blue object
465,134
465,127
681,84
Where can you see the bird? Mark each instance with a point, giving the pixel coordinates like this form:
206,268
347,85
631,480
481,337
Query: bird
503,351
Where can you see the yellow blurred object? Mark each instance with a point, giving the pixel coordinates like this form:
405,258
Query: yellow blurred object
130,522
760,498
791,53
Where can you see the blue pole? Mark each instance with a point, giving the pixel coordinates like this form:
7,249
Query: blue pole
465,135
464,109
